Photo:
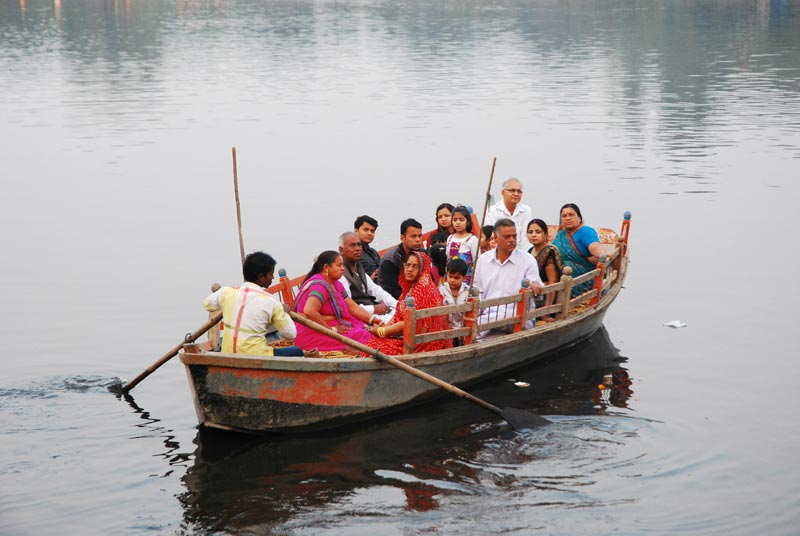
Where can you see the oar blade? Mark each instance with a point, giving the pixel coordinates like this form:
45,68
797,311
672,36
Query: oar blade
520,419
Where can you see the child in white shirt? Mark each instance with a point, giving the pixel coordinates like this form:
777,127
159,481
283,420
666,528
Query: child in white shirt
455,291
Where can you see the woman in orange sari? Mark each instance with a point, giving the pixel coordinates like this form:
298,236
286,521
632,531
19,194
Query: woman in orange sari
416,282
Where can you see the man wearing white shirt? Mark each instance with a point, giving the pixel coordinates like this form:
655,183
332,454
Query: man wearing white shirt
359,286
511,208
499,272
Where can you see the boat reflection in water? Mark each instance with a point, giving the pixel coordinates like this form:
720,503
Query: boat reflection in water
239,481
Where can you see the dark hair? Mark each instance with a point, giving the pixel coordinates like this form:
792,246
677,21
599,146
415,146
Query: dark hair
410,222
574,207
439,237
504,222
438,255
255,264
487,231
457,266
539,223
448,206
464,211
361,220
326,257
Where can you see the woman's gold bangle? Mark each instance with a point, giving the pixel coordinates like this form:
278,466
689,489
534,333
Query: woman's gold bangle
381,332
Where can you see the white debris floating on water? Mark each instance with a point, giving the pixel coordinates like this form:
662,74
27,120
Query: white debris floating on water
676,324
522,384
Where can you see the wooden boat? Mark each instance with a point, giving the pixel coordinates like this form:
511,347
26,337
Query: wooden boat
296,394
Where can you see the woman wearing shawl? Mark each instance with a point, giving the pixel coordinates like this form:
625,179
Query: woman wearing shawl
416,282
323,299
579,245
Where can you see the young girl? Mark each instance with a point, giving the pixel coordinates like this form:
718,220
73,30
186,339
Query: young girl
462,244
547,257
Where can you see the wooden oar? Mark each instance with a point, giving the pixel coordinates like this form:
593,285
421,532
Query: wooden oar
238,211
517,418
169,355
483,220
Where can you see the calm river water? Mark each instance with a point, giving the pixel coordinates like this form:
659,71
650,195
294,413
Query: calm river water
117,211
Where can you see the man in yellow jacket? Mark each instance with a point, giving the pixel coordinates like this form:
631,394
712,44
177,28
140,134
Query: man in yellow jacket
249,310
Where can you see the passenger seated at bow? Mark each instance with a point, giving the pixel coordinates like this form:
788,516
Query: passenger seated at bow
363,290
416,282
499,272
248,311
548,258
579,245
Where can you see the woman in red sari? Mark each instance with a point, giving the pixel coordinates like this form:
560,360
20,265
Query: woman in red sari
416,282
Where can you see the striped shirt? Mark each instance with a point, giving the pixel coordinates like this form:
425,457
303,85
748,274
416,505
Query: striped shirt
247,312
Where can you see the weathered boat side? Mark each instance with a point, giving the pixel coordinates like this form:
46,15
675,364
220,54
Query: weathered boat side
300,394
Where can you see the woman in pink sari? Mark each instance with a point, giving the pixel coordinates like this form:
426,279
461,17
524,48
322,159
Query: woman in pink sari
416,282
323,299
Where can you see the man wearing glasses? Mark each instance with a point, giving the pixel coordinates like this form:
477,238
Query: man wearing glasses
511,208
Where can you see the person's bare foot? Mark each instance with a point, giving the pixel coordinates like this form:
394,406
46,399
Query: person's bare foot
311,353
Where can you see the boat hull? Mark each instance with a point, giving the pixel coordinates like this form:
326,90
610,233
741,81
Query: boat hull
282,394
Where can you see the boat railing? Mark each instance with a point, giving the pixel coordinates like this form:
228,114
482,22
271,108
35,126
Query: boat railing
508,313
513,313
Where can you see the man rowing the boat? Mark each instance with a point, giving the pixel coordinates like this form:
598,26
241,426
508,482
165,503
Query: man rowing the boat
364,291
248,311
392,262
499,272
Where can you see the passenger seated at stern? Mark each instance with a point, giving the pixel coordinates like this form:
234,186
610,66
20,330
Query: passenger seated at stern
579,245
392,263
323,299
416,282
499,272
363,290
249,310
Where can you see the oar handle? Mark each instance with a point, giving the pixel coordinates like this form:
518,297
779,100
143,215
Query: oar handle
172,353
392,361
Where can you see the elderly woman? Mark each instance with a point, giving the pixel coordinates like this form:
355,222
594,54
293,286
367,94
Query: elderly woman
323,299
416,282
579,245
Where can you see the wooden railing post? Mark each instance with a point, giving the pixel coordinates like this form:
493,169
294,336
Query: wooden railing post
524,305
566,294
626,228
598,280
286,290
471,316
620,247
213,333
409,327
